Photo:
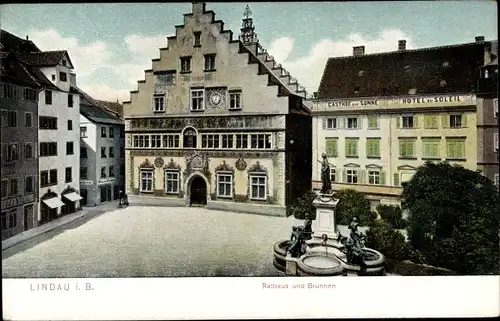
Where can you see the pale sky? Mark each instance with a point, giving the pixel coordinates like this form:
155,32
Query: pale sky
112,44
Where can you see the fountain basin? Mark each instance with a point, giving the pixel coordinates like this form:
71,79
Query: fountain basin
316,264
375,263
279,253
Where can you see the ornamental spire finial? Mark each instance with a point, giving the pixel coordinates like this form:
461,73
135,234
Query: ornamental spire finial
247,13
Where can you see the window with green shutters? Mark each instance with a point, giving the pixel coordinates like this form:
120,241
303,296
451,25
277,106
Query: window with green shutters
431,147
351,147
407,148
372,122
455,148
373,147
430,121
331,147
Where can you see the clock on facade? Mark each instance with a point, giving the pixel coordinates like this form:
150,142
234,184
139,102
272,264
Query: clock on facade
215,98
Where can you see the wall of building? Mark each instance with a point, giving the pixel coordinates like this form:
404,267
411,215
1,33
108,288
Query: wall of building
19,207
487,130
393,169
59,108
299,156
93,163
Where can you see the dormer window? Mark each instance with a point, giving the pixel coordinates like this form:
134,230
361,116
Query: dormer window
197,39
63,76
407,68
356,90
412,91
361,72
53,77
446,64
442,83
64,62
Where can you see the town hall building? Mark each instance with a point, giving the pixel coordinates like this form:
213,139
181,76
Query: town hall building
217,122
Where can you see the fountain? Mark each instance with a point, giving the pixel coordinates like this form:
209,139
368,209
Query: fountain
318,248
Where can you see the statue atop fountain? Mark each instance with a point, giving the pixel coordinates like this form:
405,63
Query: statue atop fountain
326,180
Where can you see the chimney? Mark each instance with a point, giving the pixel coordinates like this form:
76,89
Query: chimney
72,79
27,38
358,51
198,8
401,45
479,38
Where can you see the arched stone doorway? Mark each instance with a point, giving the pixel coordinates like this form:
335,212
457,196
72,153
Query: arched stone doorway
197,188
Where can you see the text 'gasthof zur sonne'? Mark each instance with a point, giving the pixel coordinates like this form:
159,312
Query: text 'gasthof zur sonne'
298,286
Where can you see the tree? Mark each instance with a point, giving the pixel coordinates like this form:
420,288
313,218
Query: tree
454,216
383,238
353,204
393,215
303,209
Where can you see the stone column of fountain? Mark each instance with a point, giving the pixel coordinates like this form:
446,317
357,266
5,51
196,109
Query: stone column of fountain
322,250
325,224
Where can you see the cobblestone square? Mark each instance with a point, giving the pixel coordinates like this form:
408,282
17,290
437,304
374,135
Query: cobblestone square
156,241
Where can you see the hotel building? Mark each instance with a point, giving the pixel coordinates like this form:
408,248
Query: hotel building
379,117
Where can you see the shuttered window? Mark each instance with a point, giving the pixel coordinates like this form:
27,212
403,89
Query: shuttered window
455,148
351,147
407,148
372,147
331,147
431,147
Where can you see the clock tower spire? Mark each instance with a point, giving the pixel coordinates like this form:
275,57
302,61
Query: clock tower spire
248,35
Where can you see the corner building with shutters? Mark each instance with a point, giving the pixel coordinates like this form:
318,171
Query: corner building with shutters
379,117
217,122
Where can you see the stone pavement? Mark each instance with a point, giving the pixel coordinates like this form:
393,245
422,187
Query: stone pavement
49,226
144,241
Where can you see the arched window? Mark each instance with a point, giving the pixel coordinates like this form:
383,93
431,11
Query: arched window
189,138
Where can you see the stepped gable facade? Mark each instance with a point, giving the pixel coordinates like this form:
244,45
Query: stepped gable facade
214,124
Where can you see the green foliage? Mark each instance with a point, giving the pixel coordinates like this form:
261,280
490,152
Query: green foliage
407,268
354,204
387,240
393,215
303,209
454,218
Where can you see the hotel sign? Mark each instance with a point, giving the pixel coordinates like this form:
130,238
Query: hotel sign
86,183
106,180
18,200
407,101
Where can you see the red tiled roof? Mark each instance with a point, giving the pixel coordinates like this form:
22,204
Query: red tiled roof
115,107
449,69
16,44
45,58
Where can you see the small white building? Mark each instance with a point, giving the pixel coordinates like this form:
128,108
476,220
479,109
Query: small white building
58,135
102,152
